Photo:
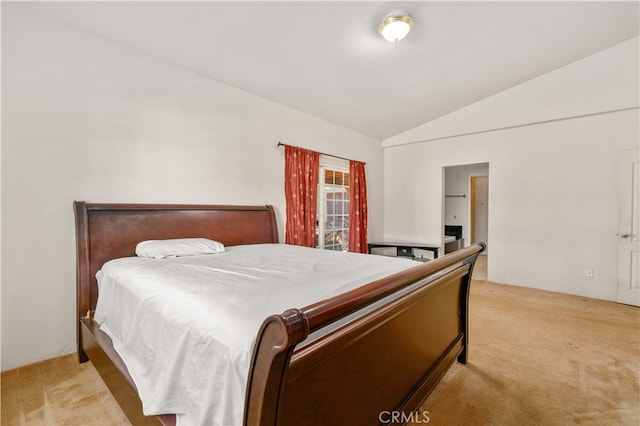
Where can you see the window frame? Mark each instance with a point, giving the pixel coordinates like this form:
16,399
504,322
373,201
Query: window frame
336,165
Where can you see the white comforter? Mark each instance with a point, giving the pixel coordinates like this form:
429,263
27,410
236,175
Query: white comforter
186,326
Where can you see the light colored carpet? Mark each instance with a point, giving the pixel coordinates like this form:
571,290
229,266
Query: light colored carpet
535,358
59,391
542,358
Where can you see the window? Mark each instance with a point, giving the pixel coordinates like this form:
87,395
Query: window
333,205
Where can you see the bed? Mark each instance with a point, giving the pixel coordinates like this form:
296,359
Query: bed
369,353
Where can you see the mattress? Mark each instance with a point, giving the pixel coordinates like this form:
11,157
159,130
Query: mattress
185,327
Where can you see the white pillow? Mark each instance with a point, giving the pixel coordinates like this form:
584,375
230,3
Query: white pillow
160,249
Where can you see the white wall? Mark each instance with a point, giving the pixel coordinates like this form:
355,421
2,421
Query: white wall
87,119
553,185
606,81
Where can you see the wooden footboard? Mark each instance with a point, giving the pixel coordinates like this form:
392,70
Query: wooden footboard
373,369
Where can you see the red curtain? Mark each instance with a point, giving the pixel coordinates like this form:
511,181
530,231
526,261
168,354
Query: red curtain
357,208
301,168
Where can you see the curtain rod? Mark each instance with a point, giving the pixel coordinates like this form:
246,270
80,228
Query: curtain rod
321,153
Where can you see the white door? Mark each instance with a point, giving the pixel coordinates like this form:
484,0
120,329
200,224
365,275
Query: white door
629,228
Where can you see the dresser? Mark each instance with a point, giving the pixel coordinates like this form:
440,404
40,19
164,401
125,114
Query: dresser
406,249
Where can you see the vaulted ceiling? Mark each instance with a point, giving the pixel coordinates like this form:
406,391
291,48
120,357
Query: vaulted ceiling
327,59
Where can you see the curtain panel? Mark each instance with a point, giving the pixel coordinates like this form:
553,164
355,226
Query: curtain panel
301,168
357,208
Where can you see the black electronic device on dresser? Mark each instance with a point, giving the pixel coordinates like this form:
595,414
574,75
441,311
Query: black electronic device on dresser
455,243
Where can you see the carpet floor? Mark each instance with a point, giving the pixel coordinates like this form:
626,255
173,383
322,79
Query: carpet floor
543,358
535,358
59,391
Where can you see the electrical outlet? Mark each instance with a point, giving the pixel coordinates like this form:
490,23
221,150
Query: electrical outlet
588,273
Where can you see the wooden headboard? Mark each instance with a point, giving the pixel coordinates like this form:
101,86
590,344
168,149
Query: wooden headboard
110,231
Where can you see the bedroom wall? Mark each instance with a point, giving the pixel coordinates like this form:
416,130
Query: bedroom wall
87,119
552,145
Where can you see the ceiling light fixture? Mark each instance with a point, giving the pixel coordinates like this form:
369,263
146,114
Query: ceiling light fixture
395,26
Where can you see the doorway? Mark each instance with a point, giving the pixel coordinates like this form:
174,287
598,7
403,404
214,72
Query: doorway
466,201
466,206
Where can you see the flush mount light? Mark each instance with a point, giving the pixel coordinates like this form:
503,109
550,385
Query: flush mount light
395,26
